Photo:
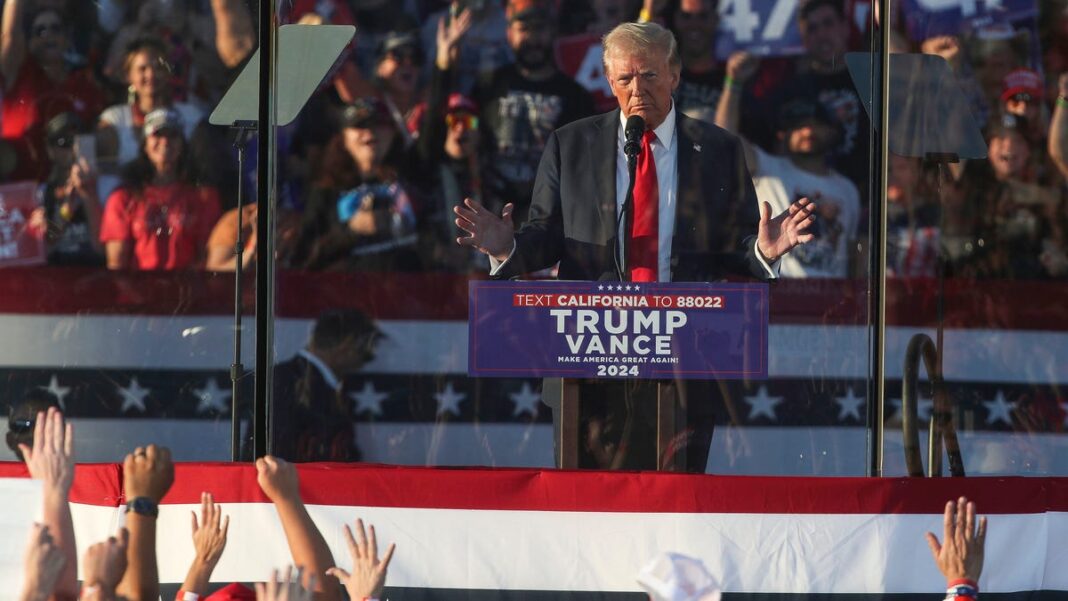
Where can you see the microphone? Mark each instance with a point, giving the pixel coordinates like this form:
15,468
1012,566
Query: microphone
632,133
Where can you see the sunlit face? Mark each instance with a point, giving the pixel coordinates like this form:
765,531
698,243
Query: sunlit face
399,69
695,25
368,145
163,149
825,34
145,73
642,84
810,138
1008,153
48,37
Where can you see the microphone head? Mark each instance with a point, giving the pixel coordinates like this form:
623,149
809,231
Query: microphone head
635,127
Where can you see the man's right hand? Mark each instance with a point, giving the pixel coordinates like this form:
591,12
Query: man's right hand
489,233
148,472
278,479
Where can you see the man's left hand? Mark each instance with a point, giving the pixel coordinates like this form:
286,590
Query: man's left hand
778,235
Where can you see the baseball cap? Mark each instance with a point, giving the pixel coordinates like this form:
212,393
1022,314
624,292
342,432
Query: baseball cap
801,110
399,39
365,113
162,119
1022,81
232,592
458,103
61,129
527,10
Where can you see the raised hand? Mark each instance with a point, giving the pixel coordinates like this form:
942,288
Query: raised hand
960,554
278,479
741,66
777,236
368,575
209,541
103,566
148,472
43,563
489,233
290,589
51,460
450,32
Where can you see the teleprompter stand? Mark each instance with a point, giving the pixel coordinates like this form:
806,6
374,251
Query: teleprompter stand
305,56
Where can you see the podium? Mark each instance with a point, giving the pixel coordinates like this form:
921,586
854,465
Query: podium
638,342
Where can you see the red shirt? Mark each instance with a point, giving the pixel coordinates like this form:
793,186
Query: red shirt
32,101
168,226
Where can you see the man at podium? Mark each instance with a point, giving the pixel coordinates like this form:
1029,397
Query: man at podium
695,218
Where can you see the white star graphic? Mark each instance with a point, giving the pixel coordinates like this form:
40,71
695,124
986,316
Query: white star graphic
999,410
923,409
849,405
61,392
601,287
133,396
369,399
635,288
627,287
526,401
449,400
210,398
762,404
619,288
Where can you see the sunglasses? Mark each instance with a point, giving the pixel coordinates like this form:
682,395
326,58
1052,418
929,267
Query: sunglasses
21,425
465,120
1023,97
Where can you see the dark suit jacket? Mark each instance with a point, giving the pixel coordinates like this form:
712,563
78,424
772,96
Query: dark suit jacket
573,209
310,421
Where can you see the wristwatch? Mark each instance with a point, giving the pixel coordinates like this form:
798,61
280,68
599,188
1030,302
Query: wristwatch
143,506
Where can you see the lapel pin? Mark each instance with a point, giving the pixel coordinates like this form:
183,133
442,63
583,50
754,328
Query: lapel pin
697,147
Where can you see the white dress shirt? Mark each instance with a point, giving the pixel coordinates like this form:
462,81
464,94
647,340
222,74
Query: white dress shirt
665,149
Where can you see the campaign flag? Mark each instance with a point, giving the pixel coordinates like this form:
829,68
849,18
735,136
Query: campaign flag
761,27
618,330
580,57
929,18
19,245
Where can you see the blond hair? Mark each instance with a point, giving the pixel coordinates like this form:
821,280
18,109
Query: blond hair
642,39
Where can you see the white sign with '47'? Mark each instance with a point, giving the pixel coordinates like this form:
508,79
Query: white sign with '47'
762,27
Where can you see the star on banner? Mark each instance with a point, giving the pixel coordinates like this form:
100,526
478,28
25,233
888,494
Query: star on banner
762,404
61,392
369,399
526,401
601,287
449,400
999,410
924,407
849,405
210,398
627,287
619,288
133,396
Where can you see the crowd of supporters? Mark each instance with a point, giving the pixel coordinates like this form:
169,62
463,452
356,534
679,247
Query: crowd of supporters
105,106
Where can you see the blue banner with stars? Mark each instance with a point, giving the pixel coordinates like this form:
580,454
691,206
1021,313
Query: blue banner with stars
618,330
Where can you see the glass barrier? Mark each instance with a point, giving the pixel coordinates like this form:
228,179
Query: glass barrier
114,254
976,248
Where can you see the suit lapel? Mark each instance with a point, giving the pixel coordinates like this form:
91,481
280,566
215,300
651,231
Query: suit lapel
687,193
603,157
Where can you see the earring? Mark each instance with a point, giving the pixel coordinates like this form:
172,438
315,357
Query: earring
131,95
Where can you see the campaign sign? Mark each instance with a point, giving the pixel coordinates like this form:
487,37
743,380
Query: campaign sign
929,18
618,330
581,58
761,27
18,244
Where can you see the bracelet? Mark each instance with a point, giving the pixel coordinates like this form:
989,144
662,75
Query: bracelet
1062,101
184,595
88,591
963,581
643,17
728,82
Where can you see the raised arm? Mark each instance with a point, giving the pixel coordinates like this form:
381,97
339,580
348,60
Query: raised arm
1058,127
103,566
740,68
368,576
432,130
234,34
209,541
147,475
12,41
959,556
51,460
279,480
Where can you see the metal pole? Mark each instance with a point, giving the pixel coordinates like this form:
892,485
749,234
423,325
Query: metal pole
877,253
236,368
265,233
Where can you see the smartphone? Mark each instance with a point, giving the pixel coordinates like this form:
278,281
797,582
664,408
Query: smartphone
85,149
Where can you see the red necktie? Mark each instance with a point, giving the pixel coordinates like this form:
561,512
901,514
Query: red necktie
644,238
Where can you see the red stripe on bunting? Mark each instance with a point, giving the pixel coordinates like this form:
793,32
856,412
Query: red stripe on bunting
585,491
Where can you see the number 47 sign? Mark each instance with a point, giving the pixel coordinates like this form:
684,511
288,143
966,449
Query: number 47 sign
761,27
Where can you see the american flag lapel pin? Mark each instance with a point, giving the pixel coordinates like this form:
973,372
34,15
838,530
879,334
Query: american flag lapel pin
697,148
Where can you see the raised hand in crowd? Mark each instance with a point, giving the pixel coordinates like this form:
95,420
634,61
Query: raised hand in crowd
209,541
289,589
368,575
51,460
103,566
148,473
741,66
450,32
959,556
279,480
42,565
490,234
946,46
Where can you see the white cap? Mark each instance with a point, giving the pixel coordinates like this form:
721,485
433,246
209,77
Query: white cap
678,577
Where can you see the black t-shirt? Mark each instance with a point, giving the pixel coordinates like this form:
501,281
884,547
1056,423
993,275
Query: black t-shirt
70,241
698,94
518,116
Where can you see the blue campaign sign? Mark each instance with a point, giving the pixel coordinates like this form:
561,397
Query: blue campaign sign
618,330
761,27
929,18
